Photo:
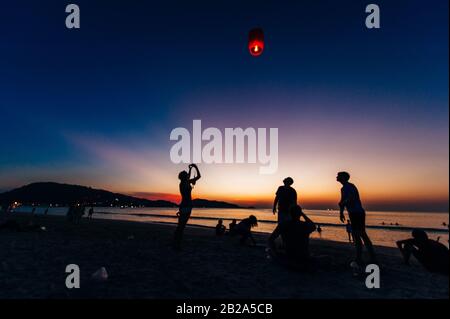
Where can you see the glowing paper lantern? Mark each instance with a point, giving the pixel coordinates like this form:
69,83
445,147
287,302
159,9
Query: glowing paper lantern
256,41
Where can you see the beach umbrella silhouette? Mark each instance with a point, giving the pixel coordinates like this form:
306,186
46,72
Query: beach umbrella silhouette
256,41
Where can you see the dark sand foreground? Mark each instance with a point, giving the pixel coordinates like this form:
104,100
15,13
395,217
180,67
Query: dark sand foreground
32,265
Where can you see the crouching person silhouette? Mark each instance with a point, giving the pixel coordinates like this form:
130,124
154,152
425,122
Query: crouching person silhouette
244,229
433,255
295,235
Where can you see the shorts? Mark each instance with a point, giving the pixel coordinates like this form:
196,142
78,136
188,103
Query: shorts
358,221
283,215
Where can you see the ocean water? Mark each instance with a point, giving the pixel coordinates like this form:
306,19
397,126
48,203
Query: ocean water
384,228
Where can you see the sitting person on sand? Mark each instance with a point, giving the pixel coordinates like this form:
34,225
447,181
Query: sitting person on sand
220,228
232,225
295,234
432,255
244,229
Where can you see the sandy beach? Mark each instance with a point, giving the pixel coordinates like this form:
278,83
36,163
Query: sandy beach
141,264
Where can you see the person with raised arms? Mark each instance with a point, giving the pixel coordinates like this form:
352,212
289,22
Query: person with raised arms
185,207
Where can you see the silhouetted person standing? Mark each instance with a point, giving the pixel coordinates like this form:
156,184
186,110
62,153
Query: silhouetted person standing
433,255
350,200
285,198
186,184
79,212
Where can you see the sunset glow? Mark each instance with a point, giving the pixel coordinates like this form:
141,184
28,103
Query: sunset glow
104,119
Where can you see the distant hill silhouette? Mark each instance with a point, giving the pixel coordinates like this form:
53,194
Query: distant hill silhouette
64,194
204,203
45,193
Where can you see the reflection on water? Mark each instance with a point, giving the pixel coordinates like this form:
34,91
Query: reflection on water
390,226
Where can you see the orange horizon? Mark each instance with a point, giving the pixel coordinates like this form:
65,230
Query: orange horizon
313,202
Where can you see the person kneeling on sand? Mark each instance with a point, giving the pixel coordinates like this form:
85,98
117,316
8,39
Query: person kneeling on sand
295,234
244,229
432,255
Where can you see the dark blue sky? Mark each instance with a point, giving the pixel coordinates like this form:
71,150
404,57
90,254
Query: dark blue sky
133,65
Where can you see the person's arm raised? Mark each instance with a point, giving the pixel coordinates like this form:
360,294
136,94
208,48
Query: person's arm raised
197,177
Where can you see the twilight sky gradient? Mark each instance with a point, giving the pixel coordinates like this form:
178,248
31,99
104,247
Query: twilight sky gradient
95,106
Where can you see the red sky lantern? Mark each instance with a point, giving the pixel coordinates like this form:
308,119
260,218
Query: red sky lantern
256,41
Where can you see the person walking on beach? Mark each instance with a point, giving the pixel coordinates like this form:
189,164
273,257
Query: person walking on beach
185,207
351,201
433,255
348,228
285,198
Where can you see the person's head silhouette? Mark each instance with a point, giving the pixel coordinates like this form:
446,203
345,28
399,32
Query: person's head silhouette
183,176
288,181
343,177
419,235
253,221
